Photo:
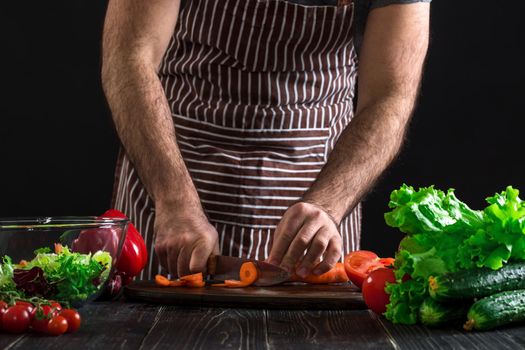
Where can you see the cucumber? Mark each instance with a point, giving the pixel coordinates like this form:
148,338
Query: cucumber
433,313
496,310
470,284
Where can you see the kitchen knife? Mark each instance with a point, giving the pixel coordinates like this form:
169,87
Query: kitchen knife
221,267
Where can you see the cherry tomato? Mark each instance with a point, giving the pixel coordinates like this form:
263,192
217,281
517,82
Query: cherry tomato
55,305
73,319
16,319
30,307
3,308
57,326
374,289
41,319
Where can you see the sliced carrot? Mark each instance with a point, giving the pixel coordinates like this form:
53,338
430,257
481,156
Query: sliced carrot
194,284
194,277
162,281
23,263
248,274
178,283
219,285
235,284
58,248
335,275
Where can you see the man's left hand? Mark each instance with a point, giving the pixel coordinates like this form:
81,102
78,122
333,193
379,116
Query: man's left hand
306,227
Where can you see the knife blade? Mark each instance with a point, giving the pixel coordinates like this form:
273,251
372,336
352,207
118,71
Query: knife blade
221,267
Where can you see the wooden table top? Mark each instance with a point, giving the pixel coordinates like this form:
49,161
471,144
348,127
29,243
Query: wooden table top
126,325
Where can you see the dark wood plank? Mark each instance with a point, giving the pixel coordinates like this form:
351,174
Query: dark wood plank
297,296
341,329
104,326
420,337
9,340
200,328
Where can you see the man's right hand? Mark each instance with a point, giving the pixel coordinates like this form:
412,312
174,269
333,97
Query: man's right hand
184,241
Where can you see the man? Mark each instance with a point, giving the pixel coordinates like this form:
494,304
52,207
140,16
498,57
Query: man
237,120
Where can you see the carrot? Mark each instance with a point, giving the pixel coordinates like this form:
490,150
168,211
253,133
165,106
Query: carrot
58,248
178,283
194,277
335,275
219,285
162,281
23,263
248,276
194,284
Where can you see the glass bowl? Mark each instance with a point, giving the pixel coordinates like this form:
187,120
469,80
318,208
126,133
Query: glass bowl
69,259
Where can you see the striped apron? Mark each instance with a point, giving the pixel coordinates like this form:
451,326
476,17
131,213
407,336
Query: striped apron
260,91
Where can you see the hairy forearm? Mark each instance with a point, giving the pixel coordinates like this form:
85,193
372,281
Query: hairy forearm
143,121
364,150
391,62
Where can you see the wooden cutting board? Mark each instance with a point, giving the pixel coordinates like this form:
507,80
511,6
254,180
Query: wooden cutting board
287,296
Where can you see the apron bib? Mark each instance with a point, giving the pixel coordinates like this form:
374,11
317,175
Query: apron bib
260,91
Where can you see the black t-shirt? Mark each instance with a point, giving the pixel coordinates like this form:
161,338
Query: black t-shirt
362,7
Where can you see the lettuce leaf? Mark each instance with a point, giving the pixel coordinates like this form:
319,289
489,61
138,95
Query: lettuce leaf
503,235
6,275
430,210
75,275
445,235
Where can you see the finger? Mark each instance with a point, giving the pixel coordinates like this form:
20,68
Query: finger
284,235
300,243
331,256
199,257
162,257
183,262
316,250
171,262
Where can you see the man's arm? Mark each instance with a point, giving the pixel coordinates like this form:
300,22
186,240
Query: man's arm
392,56
136,36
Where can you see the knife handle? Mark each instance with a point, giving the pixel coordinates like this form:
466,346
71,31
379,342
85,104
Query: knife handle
211,266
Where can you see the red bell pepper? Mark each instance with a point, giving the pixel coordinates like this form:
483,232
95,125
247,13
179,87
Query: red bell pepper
134,255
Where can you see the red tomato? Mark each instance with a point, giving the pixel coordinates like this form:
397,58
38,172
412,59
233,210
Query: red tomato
16,319
387,261
73,319
55,305
57,326
41,319
374,289
3,308
357,265
30,307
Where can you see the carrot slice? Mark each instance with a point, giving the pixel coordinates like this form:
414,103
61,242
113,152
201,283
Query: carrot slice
335,275
194,277
23,263
248,274
162,281
178,283
219,285
195,284
58,248
235,284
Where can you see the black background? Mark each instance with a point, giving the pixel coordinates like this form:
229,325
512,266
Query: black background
58,146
